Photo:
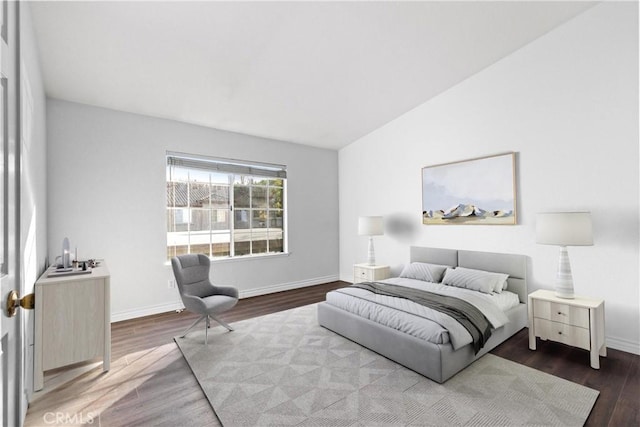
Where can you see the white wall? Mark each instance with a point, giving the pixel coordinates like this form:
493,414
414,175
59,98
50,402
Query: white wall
107,194
568,105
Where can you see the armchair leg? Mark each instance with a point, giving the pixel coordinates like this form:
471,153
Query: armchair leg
229,328
207,325
206,330
192,325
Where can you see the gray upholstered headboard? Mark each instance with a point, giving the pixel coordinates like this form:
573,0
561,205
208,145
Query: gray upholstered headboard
513,265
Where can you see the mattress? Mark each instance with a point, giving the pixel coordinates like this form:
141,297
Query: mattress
417,320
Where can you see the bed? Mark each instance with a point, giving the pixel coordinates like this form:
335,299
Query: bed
437,360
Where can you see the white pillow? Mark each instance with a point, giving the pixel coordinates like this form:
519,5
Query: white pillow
477,280
423,271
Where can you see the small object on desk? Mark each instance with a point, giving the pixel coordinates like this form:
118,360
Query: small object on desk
66,256
57,272
84,266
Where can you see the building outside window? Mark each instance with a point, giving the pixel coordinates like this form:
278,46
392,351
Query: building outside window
224,208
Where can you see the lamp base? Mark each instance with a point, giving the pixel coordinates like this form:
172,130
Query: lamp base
371,254
565,295
564,279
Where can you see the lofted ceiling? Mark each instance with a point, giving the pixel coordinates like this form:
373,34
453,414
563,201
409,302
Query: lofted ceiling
317,73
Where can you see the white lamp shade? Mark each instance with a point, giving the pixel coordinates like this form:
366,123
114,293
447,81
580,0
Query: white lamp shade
564,229
370,226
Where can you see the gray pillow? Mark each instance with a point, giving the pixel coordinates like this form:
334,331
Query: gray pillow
477,280
424,271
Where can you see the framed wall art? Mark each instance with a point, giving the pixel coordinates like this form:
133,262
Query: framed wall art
477,191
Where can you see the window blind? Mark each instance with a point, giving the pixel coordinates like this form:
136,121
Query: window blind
238,167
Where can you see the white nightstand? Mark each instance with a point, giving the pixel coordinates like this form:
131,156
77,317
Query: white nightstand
577,322
370,273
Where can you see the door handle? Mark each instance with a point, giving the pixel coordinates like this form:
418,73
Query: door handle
28,302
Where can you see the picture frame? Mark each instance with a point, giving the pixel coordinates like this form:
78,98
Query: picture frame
479,191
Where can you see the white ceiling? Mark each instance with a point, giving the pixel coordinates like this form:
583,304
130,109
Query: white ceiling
321,74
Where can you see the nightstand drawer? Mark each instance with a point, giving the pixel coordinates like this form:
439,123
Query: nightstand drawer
370,273
561,332
562,313
363,274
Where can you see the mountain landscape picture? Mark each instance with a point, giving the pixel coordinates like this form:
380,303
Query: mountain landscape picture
478,191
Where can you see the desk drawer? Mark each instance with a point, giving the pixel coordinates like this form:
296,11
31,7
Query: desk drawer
561,332
562,313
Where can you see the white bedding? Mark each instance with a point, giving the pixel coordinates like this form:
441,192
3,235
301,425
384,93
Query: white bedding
417,320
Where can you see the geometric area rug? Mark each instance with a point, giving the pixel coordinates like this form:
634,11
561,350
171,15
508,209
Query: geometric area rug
284,369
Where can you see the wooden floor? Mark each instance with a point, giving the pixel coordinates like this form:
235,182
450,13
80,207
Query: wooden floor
150,384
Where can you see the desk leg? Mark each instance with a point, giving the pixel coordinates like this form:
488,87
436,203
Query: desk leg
38,380
38,373
106,358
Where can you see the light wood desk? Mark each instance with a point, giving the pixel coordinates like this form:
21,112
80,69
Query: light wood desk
72,321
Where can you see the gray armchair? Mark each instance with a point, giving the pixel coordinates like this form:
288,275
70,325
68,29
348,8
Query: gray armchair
198,294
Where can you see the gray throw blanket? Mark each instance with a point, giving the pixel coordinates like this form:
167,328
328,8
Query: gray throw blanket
465,313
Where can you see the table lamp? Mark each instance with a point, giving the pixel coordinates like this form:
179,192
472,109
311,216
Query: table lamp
564,229
370,226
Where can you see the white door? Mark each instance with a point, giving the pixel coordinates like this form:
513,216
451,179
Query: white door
13,402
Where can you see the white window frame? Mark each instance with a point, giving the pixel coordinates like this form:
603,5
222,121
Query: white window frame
234,169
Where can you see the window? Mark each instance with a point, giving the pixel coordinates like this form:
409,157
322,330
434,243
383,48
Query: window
224,208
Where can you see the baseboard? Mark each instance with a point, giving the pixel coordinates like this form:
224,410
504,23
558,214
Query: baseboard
145,311
163,308
623,345
287,286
